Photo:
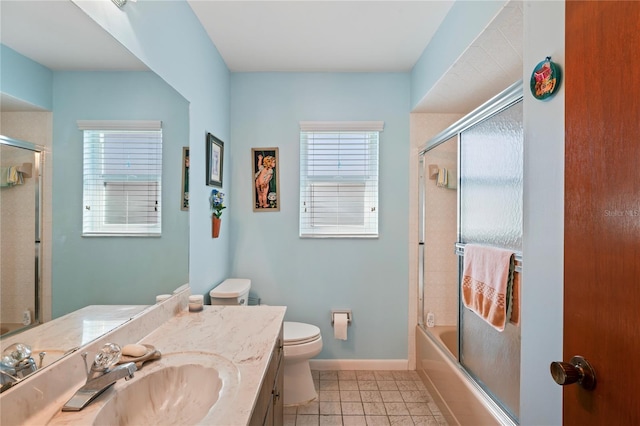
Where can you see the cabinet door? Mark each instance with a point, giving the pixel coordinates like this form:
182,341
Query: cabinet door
278,381
269,408
278,394
269,419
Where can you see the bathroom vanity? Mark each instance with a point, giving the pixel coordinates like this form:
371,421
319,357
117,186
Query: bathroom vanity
269,407
219,366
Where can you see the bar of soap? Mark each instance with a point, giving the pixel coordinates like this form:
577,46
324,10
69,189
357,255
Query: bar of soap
134,350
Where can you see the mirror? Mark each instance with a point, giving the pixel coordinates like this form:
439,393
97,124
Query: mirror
58,66
20,229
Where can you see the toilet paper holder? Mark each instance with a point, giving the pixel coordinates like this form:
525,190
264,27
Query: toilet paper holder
342,311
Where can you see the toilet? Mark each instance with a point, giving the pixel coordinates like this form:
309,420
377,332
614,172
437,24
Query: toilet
232,291
301,343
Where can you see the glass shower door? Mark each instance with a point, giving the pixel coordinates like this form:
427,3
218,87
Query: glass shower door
490,203
20,224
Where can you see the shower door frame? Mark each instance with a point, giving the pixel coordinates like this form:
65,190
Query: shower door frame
505,99
37,175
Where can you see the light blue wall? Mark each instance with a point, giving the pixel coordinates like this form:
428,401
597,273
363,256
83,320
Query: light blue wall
167,36
463,24
25,79
115,270
543,236
313,276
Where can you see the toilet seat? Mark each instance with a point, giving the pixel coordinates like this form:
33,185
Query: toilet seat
298,333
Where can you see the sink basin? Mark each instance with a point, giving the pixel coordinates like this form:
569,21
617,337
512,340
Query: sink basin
181,388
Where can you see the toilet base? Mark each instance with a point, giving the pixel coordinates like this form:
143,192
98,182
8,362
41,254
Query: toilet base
298,383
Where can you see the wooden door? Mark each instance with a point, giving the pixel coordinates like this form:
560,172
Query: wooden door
602,209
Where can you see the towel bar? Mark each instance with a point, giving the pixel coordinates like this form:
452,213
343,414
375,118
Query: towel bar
459,250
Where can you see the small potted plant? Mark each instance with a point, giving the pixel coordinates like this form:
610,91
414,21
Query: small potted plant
216,201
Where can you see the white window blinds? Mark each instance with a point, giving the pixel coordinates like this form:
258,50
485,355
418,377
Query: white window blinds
122,178
339,179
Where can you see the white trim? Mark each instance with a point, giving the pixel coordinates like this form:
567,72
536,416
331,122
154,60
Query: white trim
119,124
347,126
358,364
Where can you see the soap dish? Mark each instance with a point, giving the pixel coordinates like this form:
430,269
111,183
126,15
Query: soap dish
152,353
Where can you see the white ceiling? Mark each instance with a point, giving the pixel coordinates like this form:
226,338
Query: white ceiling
303,35
60,36
324,36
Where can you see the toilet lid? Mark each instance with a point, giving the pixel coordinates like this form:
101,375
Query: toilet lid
231,287
296,333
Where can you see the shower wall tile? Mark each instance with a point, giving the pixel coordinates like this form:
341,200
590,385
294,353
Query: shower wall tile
441,297
17,210
441,263
423,126
439,254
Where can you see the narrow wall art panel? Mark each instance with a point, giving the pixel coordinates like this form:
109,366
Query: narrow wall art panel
266,188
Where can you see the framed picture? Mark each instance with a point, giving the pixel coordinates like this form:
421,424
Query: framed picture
215,159
185,179
266,185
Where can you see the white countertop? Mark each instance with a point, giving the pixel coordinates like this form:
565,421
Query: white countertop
243,335
73,330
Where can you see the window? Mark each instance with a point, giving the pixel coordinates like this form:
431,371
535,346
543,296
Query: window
122,178
339,179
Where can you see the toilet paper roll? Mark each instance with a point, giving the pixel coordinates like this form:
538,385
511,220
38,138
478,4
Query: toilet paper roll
340,323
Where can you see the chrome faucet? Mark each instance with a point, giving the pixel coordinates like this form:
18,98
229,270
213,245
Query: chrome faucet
100,376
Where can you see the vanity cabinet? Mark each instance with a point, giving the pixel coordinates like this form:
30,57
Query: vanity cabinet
269,409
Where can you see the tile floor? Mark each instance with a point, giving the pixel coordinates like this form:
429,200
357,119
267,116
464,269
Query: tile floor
366,398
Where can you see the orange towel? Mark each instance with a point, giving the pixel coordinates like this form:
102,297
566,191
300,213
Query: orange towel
486,279
515,299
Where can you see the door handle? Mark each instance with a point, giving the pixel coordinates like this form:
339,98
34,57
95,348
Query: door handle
578,370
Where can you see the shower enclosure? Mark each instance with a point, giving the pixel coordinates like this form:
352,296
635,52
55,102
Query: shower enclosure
20,231
482,155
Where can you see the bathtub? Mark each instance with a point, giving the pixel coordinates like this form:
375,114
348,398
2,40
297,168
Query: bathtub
447,337
459,398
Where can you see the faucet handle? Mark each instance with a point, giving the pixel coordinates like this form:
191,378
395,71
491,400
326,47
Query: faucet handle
15,354
41,355
86,367
107,356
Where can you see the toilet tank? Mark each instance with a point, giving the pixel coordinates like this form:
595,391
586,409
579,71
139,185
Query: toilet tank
232,291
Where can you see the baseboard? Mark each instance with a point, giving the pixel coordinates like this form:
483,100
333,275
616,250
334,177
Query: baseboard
359,364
